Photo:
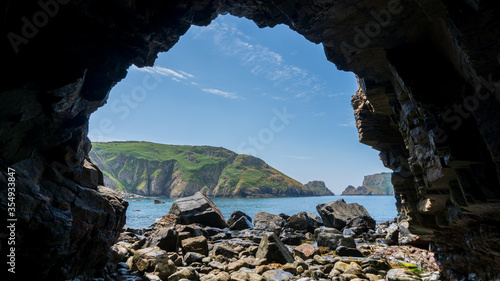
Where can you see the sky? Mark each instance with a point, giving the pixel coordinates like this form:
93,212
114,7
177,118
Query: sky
264,92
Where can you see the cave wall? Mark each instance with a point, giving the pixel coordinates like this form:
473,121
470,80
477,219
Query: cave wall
428,100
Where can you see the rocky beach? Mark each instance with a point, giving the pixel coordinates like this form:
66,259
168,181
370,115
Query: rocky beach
193,241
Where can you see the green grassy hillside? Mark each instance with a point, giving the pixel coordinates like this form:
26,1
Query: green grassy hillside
175,171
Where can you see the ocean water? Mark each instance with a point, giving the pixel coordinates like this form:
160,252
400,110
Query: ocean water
143,212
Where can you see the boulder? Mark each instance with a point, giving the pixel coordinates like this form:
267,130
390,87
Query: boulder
197,244
302,222
344,251
306,251
361,224
328,237
239,221
268,222
338,214
277,275
191,257
272,249
153,260
290,237
185,273
224,250
164,238
198,209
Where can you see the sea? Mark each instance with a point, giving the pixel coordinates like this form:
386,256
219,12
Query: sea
143,212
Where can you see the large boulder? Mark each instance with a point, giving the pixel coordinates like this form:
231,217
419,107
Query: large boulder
268,222
153,260
198,209
197,244
339,214
272,249
239,221
306,251
328,237
302,222
164,238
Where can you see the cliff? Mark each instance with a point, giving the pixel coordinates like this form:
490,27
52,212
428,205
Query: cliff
377,184
151,169
427,100
319,188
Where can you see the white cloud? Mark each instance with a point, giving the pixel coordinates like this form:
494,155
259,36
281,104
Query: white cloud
174,75
225,94
261,60
336,95
348,123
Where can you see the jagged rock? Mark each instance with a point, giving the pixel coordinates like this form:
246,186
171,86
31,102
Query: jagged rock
348,252
239,221
328,237
198,209
225,251
268,222
338,214
164,238
191,257
184,273
306,251
196,244
302,221
272,249
291,237
153,260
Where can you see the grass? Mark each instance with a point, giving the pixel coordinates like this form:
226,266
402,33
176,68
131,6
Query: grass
132,165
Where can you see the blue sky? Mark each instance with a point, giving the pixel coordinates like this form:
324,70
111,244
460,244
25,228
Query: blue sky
266,92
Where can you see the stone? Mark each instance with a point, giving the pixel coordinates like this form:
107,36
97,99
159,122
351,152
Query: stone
402,274
239,221
153,260
268,222
328,237
198,209
272,249
191,257
338,214
301,221
348,252
306,251
163,238
392,236
224,250
290,237
184,273
196,244
277,275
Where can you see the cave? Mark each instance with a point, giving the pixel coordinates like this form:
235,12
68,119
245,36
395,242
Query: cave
428,100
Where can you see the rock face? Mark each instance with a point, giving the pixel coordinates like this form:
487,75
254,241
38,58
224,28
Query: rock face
377,184
339,214
319,188
427,100
198,209
152,169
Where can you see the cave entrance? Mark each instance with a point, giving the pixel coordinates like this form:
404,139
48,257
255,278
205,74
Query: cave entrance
262,92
